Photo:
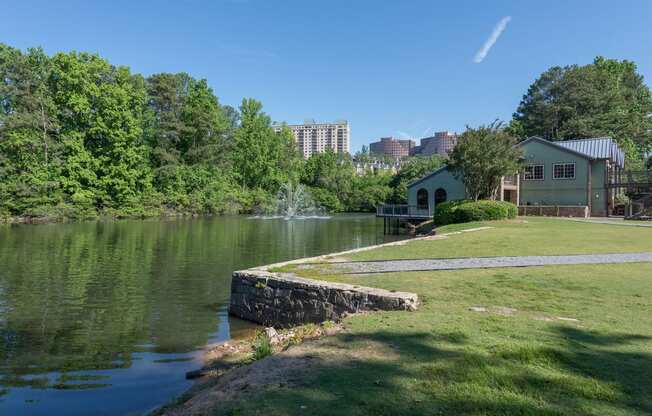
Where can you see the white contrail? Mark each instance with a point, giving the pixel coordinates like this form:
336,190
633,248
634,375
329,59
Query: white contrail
495,34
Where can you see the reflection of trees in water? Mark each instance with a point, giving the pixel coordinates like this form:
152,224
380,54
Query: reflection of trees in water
87,296
84,296
303,238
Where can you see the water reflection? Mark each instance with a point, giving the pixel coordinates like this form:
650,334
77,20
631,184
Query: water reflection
108,316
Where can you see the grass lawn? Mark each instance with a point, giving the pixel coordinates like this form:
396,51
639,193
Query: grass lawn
551,340
536,236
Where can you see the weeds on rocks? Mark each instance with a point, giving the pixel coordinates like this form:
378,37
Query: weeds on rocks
261,346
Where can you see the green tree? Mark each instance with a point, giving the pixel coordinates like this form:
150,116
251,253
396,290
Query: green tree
262,158
330,175
100,110
188,123
329,170
166,99
233,117
369,190
190,134
412,169
290,160
206,123
363,155
605,98
482,157
29,151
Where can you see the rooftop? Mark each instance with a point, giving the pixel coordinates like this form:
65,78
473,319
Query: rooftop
311,122
596,148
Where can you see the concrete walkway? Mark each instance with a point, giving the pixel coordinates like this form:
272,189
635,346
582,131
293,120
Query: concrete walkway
614,221
389,266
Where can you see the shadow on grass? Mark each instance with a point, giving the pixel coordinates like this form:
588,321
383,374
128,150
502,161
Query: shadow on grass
391,373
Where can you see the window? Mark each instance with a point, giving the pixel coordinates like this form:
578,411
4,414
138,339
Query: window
563,171
422,199
440,196
533,173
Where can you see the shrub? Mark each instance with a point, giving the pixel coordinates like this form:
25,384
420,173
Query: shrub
485,211
445,212
455,212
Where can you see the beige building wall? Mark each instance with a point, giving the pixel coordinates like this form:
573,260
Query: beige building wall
318,137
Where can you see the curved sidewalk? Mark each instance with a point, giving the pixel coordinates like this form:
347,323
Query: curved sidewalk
414,265
620,221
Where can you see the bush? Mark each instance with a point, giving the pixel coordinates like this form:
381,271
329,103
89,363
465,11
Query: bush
445,212
454,212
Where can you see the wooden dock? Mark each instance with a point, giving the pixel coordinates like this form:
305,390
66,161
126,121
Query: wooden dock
394,215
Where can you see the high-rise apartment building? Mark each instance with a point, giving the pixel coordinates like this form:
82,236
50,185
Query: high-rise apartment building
441,143
390,146
312,137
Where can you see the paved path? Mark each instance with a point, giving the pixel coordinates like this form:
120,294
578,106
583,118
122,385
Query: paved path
631,223
388,266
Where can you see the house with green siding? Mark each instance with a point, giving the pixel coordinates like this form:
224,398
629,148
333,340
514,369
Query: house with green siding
567,178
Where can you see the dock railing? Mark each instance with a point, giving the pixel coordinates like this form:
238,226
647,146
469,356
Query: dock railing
403,211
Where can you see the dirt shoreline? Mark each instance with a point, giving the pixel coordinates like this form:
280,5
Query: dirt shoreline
230,373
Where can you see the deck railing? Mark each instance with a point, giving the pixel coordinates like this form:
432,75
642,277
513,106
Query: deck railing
631,178
510,180
403,211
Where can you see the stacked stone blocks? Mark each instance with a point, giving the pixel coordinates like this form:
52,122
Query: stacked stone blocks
284,300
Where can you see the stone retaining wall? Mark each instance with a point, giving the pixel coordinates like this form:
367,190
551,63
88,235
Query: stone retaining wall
554,210
283,300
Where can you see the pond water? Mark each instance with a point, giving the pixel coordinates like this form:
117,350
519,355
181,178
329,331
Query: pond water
105,318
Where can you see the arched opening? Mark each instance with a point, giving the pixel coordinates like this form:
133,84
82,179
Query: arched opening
440,196
422,199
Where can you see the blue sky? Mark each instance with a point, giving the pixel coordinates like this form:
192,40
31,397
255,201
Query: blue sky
390,68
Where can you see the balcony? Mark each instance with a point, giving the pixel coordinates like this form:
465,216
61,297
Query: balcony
510,180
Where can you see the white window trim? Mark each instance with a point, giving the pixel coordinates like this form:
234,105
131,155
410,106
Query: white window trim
543,178
562,164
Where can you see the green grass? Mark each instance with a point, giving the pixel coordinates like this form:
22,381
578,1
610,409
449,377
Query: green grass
537,236
262,346
517,358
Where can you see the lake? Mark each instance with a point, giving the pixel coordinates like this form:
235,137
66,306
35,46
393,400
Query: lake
105,318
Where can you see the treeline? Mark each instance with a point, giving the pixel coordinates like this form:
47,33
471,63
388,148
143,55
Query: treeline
607,97
81,138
